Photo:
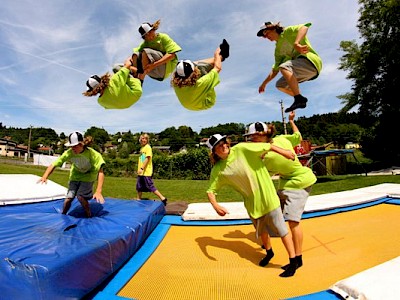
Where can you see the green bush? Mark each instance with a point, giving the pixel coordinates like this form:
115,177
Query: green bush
120,167
193,165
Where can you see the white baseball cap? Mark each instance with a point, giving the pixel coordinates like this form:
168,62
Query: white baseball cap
74,139
92,82
145,28
214,140
184,68
255,128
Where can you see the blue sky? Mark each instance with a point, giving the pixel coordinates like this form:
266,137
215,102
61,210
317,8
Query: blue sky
49,48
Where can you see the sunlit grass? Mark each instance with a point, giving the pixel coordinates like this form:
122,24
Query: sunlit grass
192,191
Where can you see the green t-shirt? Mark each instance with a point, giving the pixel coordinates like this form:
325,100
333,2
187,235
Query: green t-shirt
164,44
200,96
245,172
122,92
85,166
292,174
146,151
284,49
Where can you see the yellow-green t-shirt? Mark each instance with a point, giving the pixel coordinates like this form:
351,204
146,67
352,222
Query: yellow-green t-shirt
200,96
292,174
85,165
245,172
284,48
122,92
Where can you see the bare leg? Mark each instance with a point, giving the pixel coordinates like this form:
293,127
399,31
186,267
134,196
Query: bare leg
293,89
266,240
288,243
145,60
86,206
134,59
291,269
297,237
133,68
139,195
159,195
67,205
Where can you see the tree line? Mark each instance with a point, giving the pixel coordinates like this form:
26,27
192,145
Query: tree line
318,129
120,150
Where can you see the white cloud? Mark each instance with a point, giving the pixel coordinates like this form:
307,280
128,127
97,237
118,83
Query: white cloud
49,49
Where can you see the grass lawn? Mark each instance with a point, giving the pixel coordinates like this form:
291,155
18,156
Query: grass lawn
192,191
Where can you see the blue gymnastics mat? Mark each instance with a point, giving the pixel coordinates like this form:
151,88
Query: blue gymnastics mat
47,255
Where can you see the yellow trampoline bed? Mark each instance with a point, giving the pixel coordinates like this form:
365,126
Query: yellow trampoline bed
218,259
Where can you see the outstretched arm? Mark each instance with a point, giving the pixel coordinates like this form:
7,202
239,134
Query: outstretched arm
100,181
46,174
291,121
271,75
220,210
217,60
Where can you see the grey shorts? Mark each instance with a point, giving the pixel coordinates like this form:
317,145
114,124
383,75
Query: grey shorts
293,203
157,73
273,223
302,69
79,188
204,67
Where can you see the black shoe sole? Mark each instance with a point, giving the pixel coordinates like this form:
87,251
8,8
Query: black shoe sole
224,47
295,106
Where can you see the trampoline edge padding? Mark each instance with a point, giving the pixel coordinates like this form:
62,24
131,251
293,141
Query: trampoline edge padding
322,295
134,264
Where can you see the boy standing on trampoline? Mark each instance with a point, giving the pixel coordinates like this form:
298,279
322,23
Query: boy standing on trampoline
295,181
242,168
87,166
144,181
294,58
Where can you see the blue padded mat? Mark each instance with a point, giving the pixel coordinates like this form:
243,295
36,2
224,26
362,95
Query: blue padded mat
47,255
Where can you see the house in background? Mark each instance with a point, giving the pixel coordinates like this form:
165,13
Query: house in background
10,148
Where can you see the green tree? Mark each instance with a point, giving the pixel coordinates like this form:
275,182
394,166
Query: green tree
123,152
374,68
100,136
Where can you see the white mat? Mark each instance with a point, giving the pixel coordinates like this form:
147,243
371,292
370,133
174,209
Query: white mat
204,211
380,282
23,188
352,197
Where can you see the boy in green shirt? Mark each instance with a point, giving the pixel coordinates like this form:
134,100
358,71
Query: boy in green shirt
241,168
194,82
294,58
295,180
87,166
119,91
156,56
